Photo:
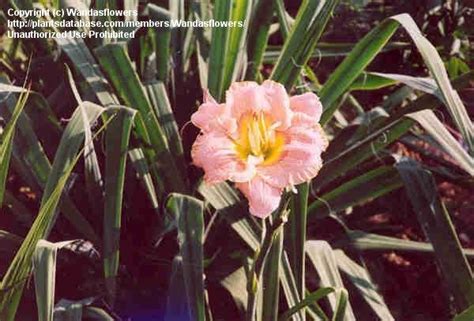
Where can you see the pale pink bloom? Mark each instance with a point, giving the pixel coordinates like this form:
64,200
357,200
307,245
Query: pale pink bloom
261,139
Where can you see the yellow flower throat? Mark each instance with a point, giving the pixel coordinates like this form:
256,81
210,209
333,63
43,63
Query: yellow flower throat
258,138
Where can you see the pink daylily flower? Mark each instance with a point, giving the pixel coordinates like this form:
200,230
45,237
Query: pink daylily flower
261,139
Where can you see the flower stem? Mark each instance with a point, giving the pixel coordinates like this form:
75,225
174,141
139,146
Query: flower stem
261,256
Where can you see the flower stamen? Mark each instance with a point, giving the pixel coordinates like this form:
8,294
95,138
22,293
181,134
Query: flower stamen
259,138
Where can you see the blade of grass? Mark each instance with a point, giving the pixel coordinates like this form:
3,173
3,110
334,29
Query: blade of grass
143,171
67,310
84,63
202,11
177,306
371,81
296,235
380,136
290,289
324,49
235,284
176,8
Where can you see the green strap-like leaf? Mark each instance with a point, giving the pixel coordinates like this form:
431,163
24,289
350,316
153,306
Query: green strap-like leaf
309,25
308,300
66,157
374,242
235,58
6,142
218,50
261,17
370,185
270,276
436,224
353,65
322,257
116,148
188,212
361,279
296,235
162,41
35,167
44,263
117,65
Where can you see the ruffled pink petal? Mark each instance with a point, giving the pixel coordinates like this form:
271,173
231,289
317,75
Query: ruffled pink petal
307,106
279,103
213,116
206,116
246,97
214,152
263,198
301,158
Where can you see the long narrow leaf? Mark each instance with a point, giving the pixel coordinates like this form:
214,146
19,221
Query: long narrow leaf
310,22
309,299
258,37
345,74
44,263
374,242
116,148
271,273
235,57
7,141
437,225
322,257
369,185
218,50
189,216
117,65
361,279
66,157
